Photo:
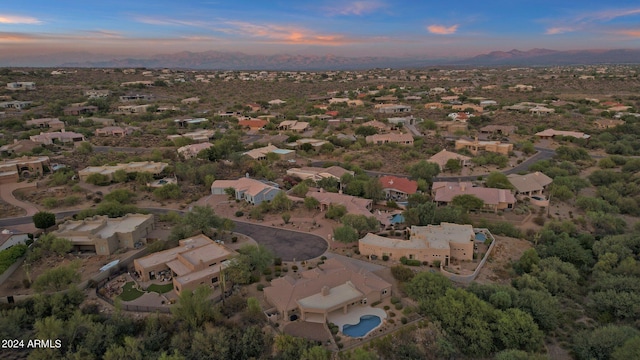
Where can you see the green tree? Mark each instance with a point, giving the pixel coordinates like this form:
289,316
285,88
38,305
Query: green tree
498,180
258,256
120,176
424,170
601,342
345,234
144,178
372,189
168,191
58,278
123,196
44,220
335,212
628,350
98,179
281,202
517,330
467,202
61,246
300,190
194,308
362,224
311,203
453,165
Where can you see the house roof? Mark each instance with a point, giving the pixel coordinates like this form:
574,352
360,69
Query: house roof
443,156
319,173
393,138
354,205
399,184
285,292
530,182
253,123
424,237
551,132
490,196
247,185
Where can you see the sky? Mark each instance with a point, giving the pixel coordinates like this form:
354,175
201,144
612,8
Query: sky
425,28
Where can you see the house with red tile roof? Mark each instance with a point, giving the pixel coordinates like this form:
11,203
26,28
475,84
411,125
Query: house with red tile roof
398,188
253,124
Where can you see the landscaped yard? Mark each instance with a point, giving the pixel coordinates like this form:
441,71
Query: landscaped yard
160,289
129,292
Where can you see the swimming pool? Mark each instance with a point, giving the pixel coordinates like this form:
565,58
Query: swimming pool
481,237
366,325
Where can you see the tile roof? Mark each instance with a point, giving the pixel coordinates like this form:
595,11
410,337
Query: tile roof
399,184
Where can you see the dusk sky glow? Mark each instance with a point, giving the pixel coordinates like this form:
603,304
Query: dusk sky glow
343,28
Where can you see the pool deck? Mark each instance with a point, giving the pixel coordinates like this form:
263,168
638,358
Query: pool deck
353,316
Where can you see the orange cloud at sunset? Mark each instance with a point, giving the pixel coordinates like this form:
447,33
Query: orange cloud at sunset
442,30
16,19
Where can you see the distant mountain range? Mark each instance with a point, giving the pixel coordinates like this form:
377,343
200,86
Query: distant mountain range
219,60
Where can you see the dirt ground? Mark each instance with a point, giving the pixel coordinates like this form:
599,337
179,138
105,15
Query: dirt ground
7,210
90,265
497,267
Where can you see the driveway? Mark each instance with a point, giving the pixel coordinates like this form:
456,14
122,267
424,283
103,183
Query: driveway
6,193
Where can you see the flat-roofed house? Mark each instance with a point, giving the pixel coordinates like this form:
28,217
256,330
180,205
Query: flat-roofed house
116,131
608,123
80,110
551,133
318,173
192,150
441,158
529,184
21,86
46,123
11,170
250,190
337,286
15,104
391,108
475,146
196,261
498,129
397,188
104,235
379,139
494,199
63,137
426,243
152,167
96,94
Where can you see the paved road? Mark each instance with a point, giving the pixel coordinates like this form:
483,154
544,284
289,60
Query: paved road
542,154
285,244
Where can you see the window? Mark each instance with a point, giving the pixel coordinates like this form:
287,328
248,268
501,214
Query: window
363,301
384,292
214,280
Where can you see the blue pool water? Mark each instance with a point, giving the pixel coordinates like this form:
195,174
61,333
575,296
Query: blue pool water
481,237
366,324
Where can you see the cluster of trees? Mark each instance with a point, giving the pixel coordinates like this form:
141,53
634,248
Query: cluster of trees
201,219
354,227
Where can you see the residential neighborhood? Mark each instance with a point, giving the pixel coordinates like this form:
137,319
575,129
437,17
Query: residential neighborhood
342,209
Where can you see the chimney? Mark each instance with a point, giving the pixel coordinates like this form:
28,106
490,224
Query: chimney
463,186
325,290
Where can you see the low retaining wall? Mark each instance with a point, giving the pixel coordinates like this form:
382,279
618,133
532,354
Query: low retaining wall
11,269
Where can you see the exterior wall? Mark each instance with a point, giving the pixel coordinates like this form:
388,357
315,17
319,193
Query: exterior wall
105,246
192,285
462,251
13,240
144,272
9,177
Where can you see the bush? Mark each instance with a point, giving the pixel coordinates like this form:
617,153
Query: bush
402,273
385,257
239,213
277,261
260,287
394,300
403,320
399,306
